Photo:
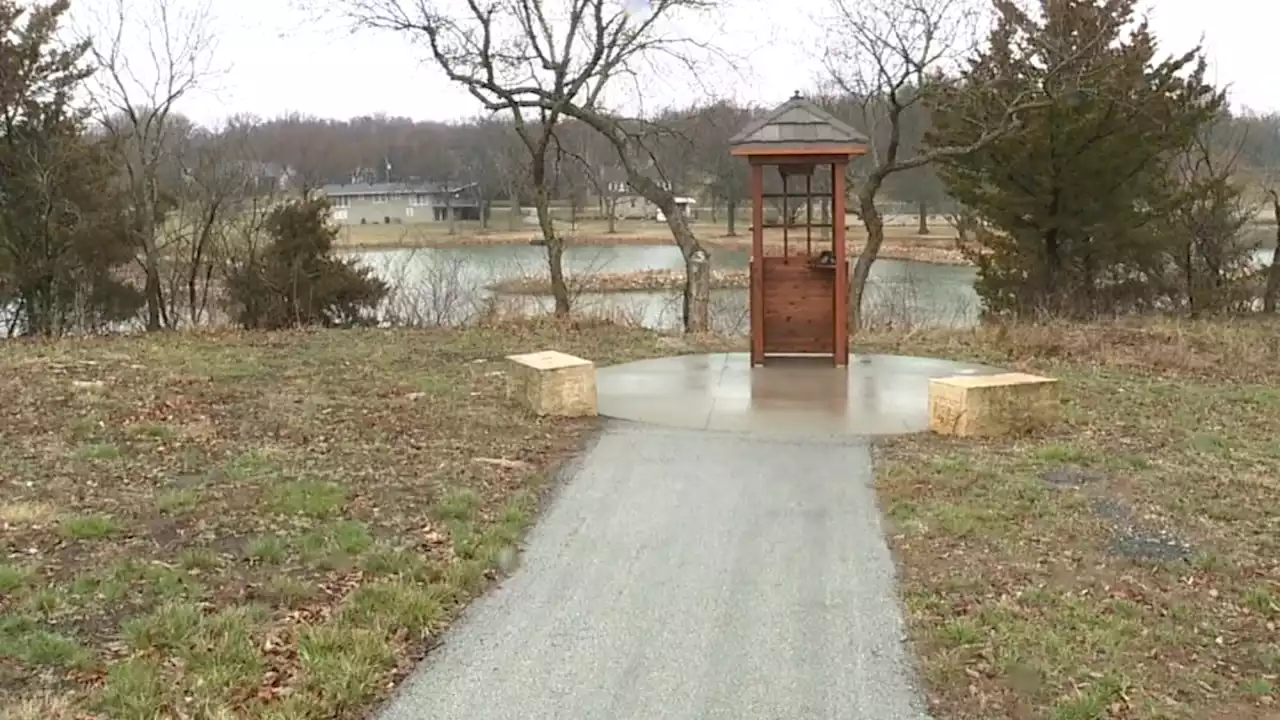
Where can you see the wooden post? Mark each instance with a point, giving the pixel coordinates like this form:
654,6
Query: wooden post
840,352
757,264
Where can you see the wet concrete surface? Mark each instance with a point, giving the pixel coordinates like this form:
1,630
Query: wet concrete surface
688,576
874,395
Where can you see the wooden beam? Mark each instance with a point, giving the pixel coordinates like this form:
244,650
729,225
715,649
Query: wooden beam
776,160
757,265
841,350
800,151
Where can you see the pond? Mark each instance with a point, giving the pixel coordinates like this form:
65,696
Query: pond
439,284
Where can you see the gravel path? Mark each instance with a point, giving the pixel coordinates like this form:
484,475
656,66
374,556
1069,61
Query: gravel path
692,575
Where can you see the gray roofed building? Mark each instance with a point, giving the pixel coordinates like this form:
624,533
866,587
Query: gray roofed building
394,188
402,202
798,124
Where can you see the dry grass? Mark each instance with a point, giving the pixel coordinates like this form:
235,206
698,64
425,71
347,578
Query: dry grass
270,525
1125,564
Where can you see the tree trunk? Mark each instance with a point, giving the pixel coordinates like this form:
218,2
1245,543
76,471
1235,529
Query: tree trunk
1273,279
611,209
1188,276
154,297
923,212
697,280
484,214
449,214
697,290
1272,293
555,245
731,211
874,224
697,314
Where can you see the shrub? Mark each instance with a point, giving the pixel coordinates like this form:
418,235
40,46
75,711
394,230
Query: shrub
294,281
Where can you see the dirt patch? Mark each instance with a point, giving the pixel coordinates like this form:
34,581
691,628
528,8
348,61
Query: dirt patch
1123,564
265,525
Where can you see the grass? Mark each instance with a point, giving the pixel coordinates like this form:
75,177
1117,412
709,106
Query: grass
260,525
1030,600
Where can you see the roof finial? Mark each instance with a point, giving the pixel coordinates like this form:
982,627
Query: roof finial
797,96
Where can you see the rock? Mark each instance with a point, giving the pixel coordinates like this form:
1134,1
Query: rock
991,405
553,383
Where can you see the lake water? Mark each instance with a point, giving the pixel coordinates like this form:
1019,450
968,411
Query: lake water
450,283
440,285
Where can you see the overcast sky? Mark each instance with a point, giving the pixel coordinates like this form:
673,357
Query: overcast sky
276,58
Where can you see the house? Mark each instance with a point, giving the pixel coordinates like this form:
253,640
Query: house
630,205
402,202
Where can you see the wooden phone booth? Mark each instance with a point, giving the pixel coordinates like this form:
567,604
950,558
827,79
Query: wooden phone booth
799,288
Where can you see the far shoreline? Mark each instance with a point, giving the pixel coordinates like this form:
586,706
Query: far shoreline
931,250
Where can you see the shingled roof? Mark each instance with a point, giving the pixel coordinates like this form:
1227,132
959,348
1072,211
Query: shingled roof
798,125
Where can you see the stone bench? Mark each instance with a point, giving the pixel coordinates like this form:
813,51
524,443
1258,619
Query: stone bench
553,383
990,405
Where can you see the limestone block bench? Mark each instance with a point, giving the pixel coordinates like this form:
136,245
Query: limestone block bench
989,405
553,383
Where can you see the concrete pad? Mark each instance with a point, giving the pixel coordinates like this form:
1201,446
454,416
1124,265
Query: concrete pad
874,395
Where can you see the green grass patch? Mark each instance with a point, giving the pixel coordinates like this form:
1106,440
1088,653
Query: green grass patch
252,465
24,640
154,431
89,527
14,577
198,558
178,501
341,665
135,689
392,605
335,544
218,651
271,549
459,505
310,498
100,451
385,560
287,591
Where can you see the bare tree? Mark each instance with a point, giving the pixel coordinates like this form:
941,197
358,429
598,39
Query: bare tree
220,179
148,61
887,56
482,52
1208,212
1272,292
541,61
584,168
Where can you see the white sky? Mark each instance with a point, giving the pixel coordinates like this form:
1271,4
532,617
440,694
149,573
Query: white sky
276,58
